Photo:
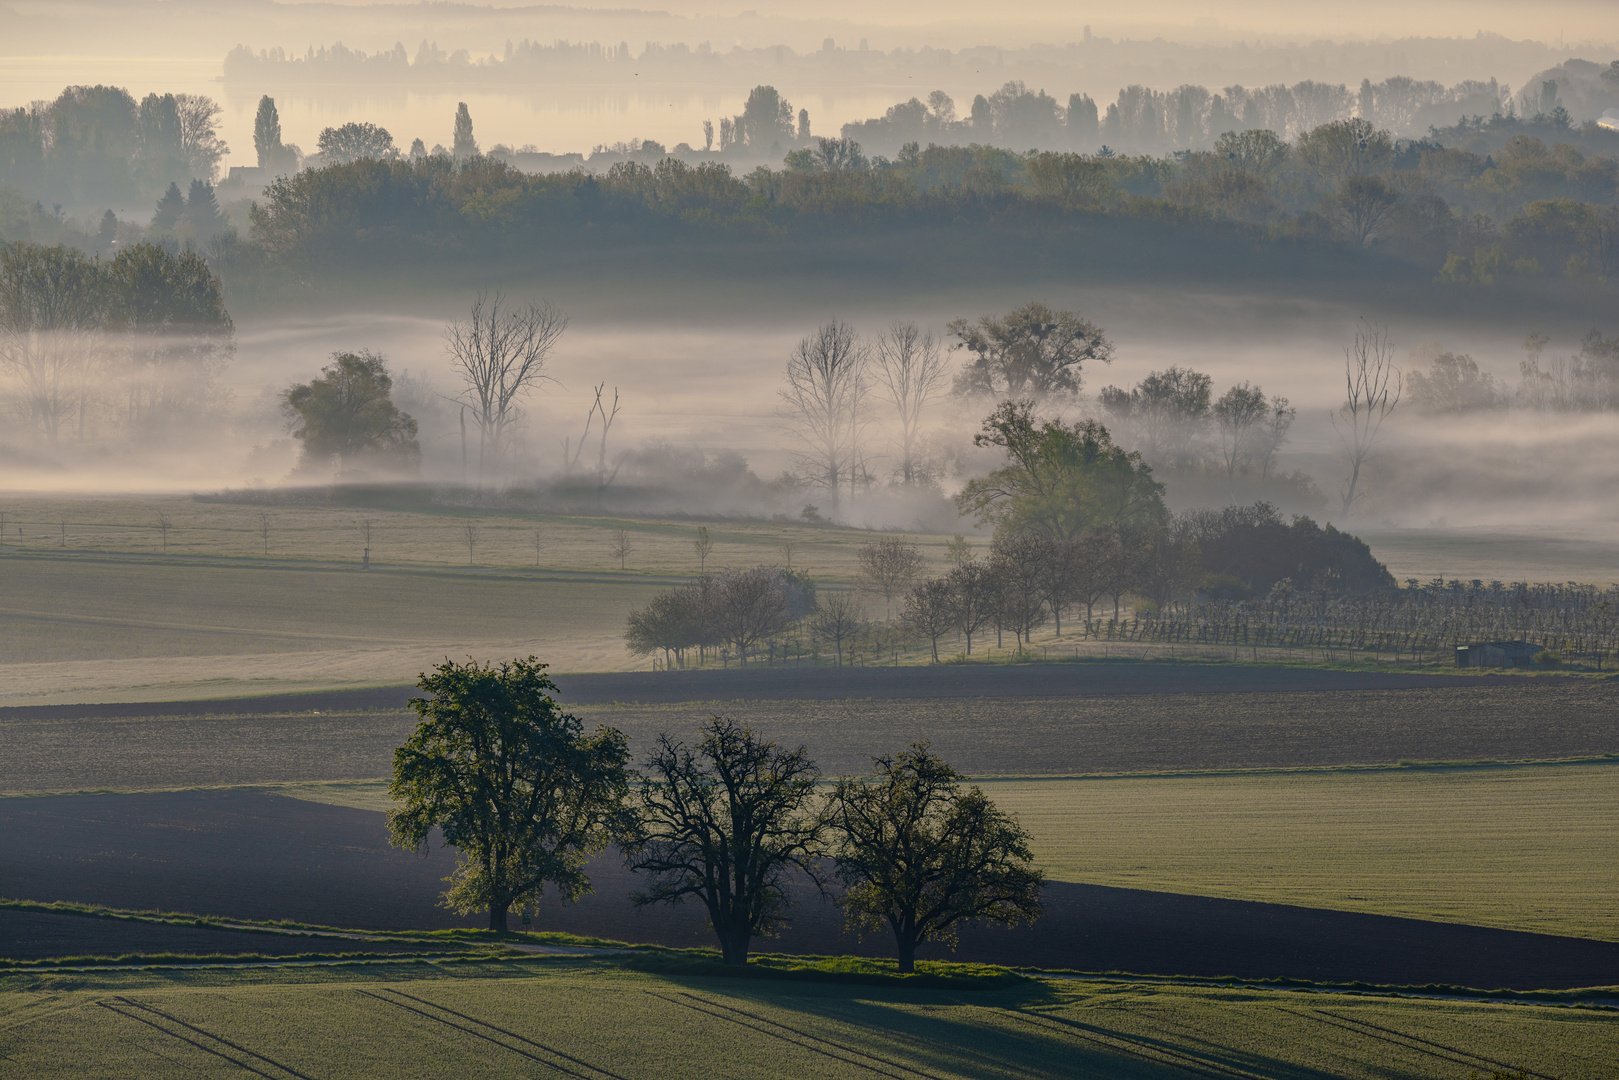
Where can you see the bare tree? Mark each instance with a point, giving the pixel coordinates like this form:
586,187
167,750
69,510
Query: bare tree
911,370
264,530
930,610
959,550
163,523
539,538
1274,435
472,533
824,402
1372,390
787,549
976,599
500,355
750,606
603,476
702,545
889,566
838,619
621,545
1236,415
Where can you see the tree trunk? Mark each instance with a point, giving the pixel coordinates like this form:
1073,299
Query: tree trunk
497,917
734,947
907,954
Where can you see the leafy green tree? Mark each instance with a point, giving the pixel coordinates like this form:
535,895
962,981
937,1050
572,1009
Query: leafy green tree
728,824
1059,480
171,306
170,209
766,118
518,789
267,133
920,856
463,145
354,141
1032,351
347,413
54,305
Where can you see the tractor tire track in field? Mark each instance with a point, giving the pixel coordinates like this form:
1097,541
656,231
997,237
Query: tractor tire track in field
131,1009
797,1038
509,1034
1389,1035
1134,1046
518,1050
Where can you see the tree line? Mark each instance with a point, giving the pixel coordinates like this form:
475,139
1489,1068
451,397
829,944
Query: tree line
735,821
135,342
1530,211
97,144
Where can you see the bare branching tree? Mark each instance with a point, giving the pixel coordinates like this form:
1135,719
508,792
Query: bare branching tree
500,354
824,402
264,530
599,415
164,523
1372,390
539,539
838,618
1277,424
702,546
911,371
472,534
888,567
620,545
1236,416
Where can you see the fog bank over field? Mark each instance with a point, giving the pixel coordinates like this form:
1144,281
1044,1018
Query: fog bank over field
700,428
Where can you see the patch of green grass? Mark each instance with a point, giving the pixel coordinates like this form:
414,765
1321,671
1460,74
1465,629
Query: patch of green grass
1521,848
474,1020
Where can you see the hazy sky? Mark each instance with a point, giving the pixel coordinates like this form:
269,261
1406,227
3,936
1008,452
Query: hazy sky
1571,20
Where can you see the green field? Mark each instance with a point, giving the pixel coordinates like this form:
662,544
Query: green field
1523,848
586,1019
1526,848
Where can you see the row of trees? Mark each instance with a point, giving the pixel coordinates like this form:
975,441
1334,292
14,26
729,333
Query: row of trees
137,341
526,797
1143,120
1344,184
97,144
1451,383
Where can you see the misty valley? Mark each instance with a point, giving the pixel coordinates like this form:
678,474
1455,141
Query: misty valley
822,542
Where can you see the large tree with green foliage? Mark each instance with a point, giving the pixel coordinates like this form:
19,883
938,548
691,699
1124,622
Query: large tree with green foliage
1060,480
54,304
1032,351
347,413
920,855
727,823
518,788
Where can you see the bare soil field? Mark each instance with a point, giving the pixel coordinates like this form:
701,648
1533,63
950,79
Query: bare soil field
1115,719
254,855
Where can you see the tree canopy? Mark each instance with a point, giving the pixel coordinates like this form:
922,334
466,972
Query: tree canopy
514,783
347,413
1060,480
920,855
1031,351
728,823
